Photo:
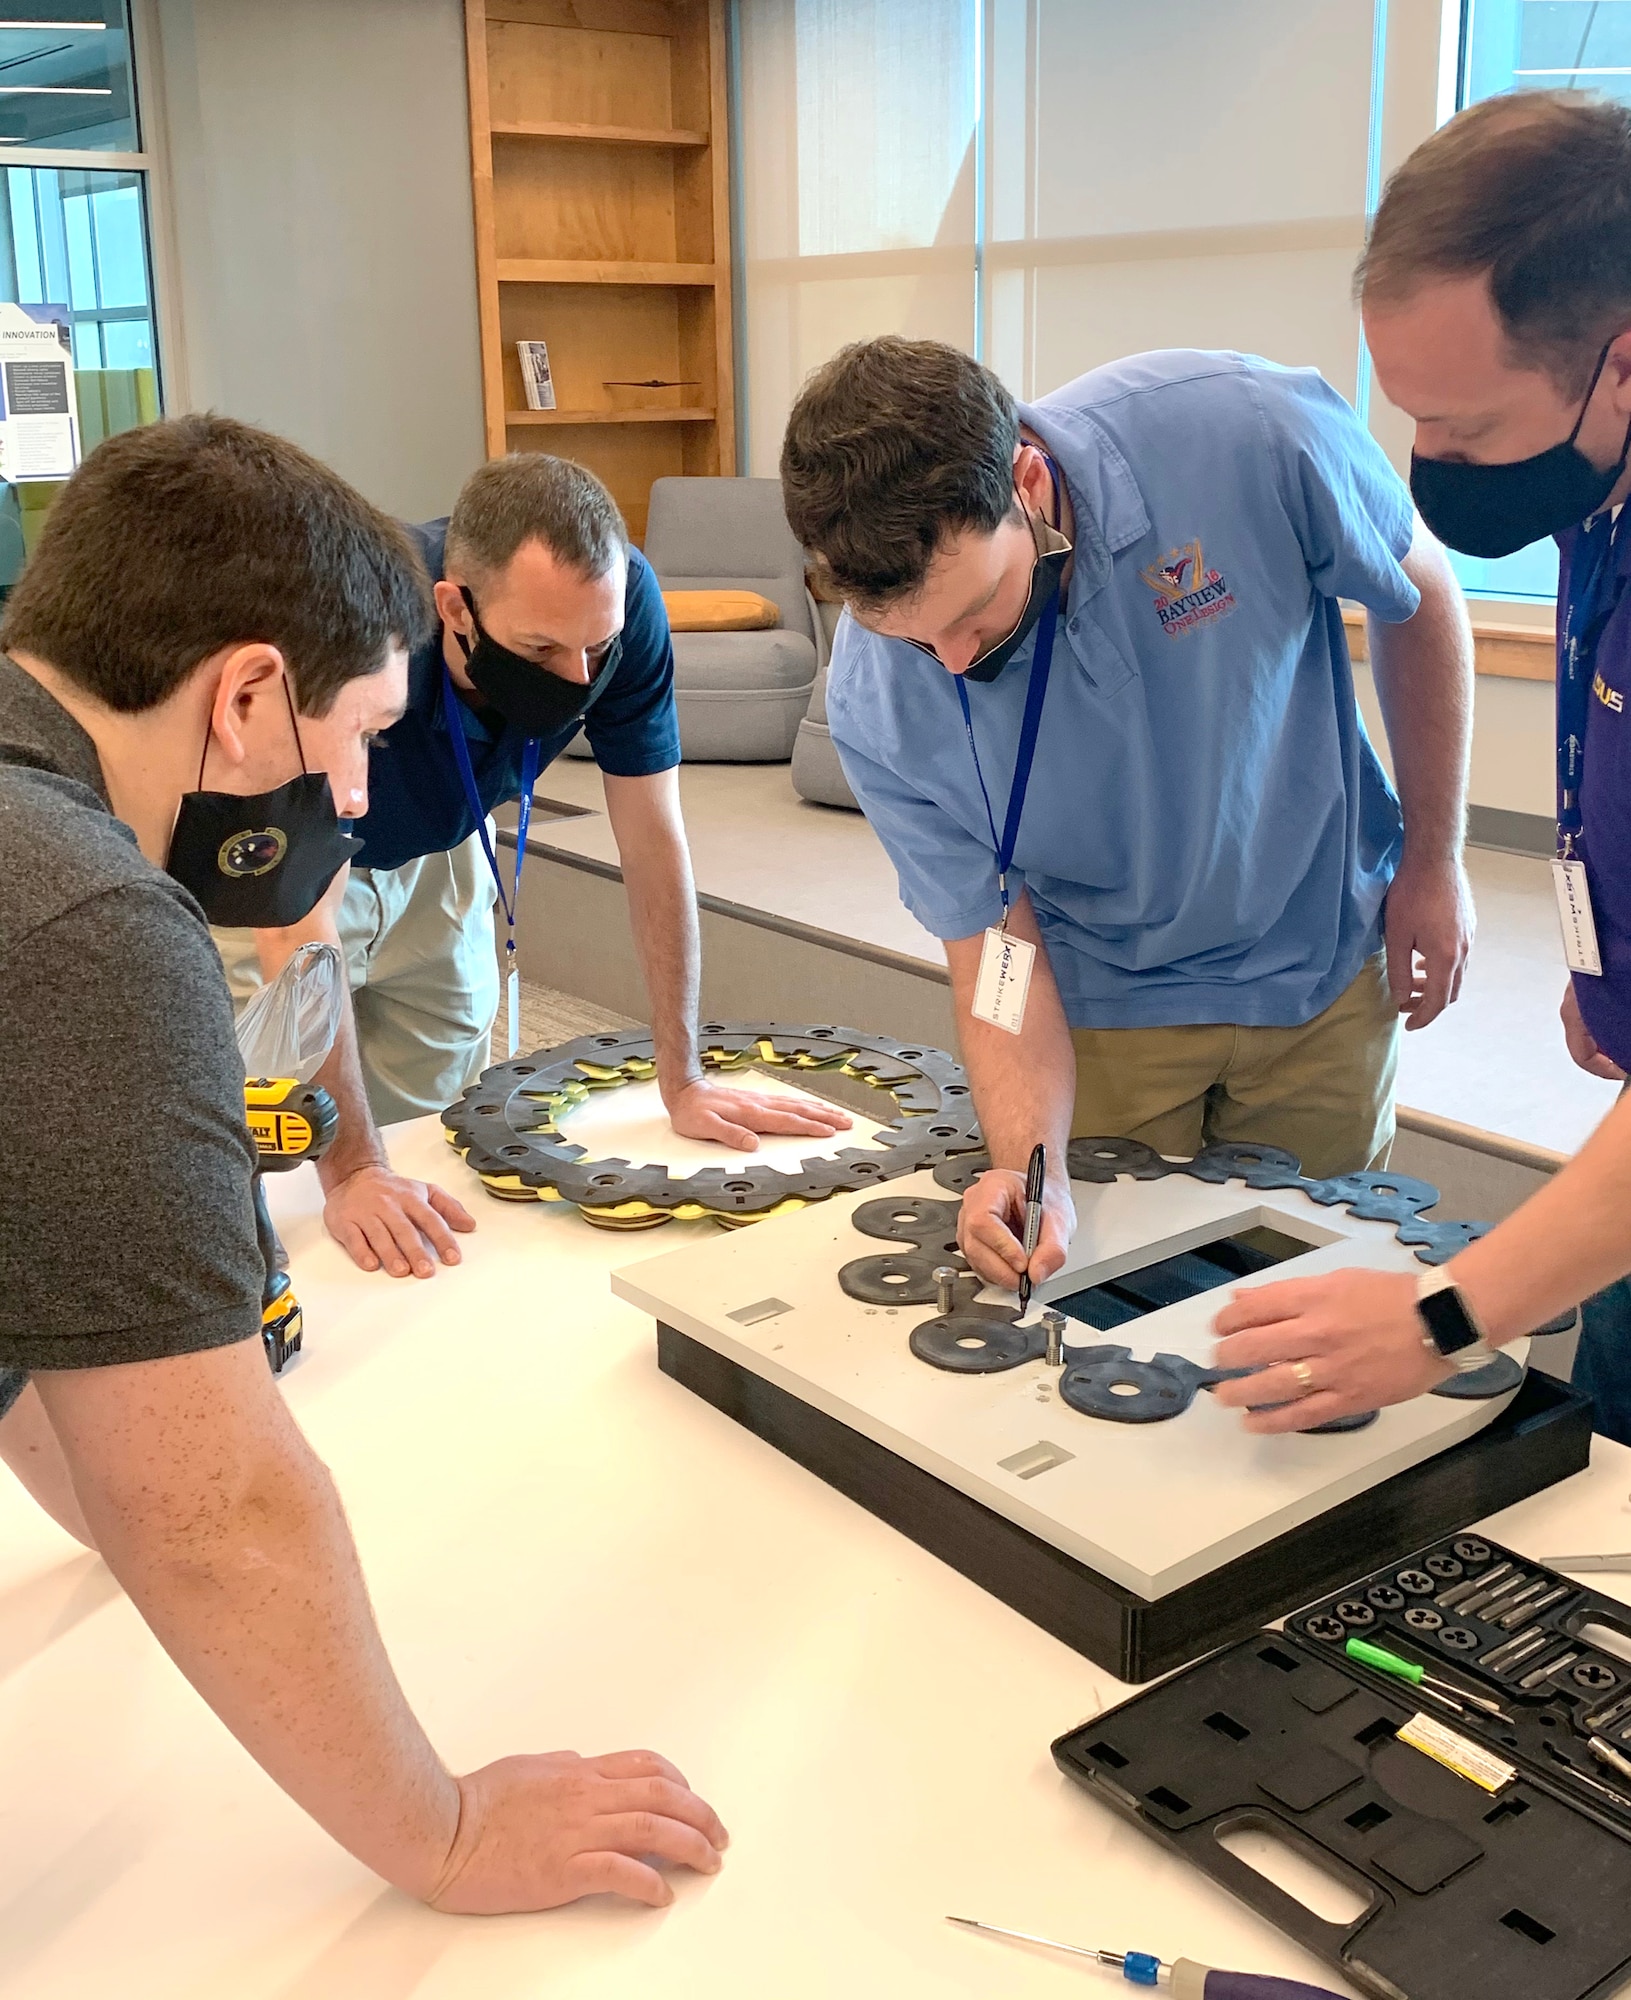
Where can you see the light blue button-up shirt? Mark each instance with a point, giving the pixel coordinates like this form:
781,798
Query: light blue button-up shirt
1208,835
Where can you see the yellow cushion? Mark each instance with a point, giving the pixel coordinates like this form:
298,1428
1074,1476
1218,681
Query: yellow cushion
720,611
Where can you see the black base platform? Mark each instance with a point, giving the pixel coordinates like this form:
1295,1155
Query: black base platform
1542,1436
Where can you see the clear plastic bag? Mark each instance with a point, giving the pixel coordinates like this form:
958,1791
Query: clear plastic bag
288,1026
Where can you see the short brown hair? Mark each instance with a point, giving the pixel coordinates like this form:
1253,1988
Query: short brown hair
532,497
893,445
1535,189
183,537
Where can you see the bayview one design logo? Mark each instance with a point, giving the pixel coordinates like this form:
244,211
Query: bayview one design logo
1187,593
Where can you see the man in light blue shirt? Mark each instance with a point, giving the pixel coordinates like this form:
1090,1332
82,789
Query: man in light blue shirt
1207,840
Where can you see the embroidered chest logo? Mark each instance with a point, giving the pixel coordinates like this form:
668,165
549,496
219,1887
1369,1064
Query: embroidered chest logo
1187,593
1609,697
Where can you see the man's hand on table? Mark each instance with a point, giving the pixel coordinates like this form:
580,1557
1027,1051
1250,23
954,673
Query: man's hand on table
1581,1046
991,1228
703,1109
1357,1333
535,1832
386,1222
1428,916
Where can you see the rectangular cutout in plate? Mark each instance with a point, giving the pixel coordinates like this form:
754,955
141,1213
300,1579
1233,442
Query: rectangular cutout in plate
1186,1275
761,1309
1035,1458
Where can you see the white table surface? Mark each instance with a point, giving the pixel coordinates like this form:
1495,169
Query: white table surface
566,1549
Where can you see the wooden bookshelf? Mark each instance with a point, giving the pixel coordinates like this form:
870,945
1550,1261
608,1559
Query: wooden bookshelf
601,187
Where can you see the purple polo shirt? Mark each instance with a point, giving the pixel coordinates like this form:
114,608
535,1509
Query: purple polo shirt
1605,807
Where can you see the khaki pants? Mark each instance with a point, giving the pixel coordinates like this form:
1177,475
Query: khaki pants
419,954
1324,1091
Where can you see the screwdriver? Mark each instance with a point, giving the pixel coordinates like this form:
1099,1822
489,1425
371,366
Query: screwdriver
1406,1670
1183,1977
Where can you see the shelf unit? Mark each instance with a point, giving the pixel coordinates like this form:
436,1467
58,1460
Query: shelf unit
601,185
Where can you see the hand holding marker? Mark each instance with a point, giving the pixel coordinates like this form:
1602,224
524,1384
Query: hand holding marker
1036,1181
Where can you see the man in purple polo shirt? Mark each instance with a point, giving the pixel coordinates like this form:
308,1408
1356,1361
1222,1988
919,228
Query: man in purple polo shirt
1496,289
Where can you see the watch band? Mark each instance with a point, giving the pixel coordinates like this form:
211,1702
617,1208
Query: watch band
1451,1329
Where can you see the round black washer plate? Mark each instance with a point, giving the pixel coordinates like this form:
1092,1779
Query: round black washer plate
890,1281
1126,1392
980,1340
910,1218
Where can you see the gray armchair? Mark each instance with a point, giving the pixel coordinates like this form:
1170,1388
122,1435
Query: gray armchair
741,695
817,774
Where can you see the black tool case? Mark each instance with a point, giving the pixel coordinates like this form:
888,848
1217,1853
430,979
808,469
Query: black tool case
1521,1893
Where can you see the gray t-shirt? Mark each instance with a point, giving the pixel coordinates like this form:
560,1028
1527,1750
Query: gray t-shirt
127,1231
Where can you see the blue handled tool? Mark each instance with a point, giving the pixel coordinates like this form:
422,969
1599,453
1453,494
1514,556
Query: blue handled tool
1183,1978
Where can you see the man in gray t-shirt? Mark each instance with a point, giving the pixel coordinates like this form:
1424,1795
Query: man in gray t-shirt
210,615
121,1078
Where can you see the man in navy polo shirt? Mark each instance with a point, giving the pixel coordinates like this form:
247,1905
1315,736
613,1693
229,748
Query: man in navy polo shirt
1497,296
549,623
1092,690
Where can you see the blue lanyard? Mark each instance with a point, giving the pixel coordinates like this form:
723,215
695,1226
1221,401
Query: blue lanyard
531,763
1587,615
1035,694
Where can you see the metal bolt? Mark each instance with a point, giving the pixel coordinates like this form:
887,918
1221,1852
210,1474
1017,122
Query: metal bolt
1053,1324
945,1287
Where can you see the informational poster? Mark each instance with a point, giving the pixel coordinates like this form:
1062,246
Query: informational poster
39,422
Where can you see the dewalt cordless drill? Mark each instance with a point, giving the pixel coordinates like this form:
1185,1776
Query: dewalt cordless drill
291,1123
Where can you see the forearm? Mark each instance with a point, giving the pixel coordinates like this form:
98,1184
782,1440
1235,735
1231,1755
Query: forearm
29,1446
1564,1244
252,1585
1024,1085
650,833
357,1142
1423,670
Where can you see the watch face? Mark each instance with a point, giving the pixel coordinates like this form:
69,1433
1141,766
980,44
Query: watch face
1448,1321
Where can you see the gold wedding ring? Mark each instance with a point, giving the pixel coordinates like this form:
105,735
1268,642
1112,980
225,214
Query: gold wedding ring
1304,1375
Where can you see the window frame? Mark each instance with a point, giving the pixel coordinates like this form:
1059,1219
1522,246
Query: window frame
151,164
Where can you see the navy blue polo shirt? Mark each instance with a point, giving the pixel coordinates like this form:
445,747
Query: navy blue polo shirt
416,803
1605,804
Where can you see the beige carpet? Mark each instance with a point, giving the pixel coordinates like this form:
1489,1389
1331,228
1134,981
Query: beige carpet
549,1018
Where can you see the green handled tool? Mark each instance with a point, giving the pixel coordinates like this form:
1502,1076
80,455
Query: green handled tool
1407,1670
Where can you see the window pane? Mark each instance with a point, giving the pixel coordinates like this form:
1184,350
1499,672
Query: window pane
65,76
1538,45
77,237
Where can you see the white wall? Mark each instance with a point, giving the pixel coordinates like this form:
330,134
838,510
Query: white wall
1178,173
1188,174
319,177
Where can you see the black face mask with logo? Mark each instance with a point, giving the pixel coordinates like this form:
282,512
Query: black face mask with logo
260,860
528,696
1494,510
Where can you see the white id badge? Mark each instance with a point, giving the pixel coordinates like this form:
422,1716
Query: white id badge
512,997
1004,981
1580,951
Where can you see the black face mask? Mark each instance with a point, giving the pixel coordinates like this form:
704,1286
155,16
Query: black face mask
1053,553
529,697
263,860
1493,510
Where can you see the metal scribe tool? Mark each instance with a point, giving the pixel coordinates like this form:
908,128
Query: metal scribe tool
1183,1977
